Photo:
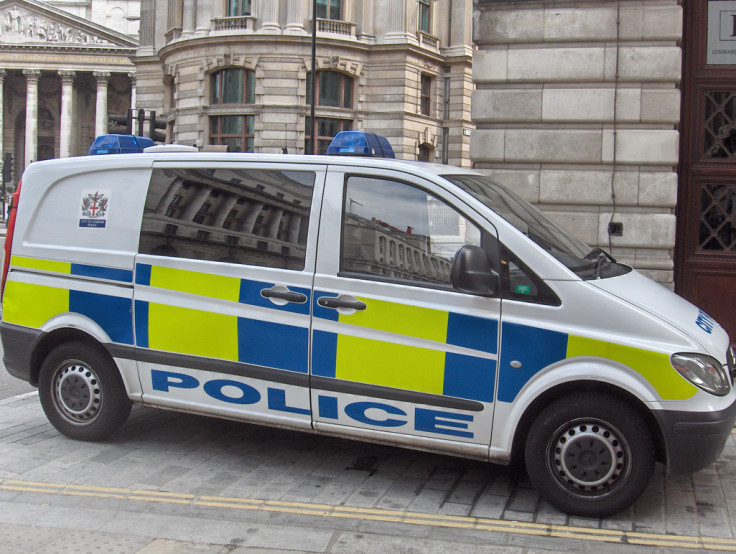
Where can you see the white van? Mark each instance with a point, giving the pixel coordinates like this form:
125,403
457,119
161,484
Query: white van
403,303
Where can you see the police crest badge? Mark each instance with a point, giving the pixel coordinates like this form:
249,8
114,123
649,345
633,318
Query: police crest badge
94,208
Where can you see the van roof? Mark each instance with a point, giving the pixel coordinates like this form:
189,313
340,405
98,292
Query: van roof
149,158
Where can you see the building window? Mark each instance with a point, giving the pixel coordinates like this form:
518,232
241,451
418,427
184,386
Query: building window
236,131
425,95
238,7
329,9
424,16
425,153
333,89
326,129
233,86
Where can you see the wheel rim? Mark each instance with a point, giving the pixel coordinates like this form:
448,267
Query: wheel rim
76,392
589,458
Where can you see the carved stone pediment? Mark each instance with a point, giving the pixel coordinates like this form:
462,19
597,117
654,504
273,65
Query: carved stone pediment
32,23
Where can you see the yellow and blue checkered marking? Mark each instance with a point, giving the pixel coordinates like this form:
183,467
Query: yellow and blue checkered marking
215,335
67,268
33,305
408,367
537,349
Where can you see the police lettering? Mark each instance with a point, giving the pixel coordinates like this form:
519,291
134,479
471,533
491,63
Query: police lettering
705,322
373,413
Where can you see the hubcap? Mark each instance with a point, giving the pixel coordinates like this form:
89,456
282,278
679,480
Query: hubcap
77,393
589,457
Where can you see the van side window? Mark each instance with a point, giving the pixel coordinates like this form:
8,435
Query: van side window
518,282
398,232
243,216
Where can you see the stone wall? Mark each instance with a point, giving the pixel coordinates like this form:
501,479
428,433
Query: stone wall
576,108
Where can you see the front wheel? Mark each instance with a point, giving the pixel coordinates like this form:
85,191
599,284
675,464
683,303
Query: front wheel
81,391
589,454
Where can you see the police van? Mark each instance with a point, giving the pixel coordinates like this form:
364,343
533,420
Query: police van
398,302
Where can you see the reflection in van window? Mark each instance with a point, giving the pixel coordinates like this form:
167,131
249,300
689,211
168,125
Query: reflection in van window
243,216
398,231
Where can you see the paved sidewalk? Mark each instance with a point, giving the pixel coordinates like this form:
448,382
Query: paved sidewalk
170,482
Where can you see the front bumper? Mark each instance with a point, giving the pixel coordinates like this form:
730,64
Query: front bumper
693,440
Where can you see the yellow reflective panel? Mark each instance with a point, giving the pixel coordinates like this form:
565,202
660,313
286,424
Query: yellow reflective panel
193,282
195,332
44,265
390,364
402,319
33,305
655,367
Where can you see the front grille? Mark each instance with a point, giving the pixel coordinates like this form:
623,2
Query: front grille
731,365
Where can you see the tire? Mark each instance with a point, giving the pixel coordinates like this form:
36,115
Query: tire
81,391
571,449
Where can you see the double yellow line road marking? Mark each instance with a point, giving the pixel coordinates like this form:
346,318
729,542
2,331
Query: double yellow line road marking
393,516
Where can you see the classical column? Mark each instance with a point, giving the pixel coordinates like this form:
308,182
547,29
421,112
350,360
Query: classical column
195,204
65,125
249,221
147,27
204,15
274,222
226,207
367,33
295,225
101,104
133,92
269,16
189,13
396,21
32,77
295,18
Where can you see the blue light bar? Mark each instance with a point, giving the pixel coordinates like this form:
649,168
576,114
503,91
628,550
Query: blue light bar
360,143
119,144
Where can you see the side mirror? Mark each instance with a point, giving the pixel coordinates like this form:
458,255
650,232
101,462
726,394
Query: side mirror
471,272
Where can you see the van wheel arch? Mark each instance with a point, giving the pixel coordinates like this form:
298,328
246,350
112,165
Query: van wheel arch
549,396
51,340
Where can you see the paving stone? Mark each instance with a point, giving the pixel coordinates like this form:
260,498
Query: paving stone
163,546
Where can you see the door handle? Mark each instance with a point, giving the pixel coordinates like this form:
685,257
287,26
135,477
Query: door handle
282,293
341,302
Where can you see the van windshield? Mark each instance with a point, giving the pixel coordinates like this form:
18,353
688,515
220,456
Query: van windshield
586,262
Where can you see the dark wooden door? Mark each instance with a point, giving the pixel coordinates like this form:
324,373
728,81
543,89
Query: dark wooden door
705,261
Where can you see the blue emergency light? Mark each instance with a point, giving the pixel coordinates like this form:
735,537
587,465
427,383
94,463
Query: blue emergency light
360,143
119,144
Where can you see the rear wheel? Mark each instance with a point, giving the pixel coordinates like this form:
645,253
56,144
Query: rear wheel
81,391
589,454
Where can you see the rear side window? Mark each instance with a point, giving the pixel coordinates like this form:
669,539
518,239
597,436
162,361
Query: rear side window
244,216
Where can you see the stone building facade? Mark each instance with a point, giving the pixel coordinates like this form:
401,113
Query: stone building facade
64,67
237,74
577,108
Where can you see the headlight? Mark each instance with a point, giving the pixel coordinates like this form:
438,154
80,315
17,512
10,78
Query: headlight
703,371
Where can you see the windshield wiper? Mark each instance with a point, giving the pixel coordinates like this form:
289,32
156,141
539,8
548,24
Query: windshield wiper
600,256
